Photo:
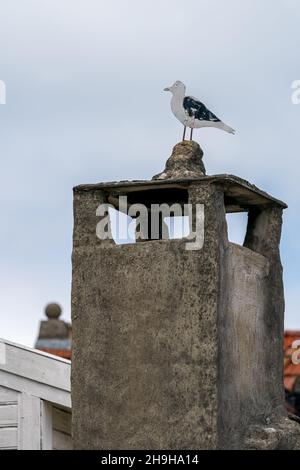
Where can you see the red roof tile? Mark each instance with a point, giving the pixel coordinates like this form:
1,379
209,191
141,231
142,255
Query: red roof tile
291,371
58,352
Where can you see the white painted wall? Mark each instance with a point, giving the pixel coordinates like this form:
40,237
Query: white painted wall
35,399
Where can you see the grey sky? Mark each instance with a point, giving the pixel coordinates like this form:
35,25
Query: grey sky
85,104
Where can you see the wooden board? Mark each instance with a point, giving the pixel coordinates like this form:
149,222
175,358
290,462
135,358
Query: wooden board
29,423
34,391
44,391
37,366
9,438
47,426
7,395
62,441
61,420
8,415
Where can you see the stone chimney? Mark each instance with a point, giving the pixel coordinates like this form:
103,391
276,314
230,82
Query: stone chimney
54,334
178,343
185,162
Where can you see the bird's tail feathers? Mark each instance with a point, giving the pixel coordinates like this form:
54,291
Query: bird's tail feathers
227,128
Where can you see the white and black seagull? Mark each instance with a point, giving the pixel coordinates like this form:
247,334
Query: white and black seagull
191,112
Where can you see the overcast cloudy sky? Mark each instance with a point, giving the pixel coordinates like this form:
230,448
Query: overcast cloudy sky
85,104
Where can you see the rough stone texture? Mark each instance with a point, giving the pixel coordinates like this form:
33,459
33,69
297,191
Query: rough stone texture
239,194
53,328
284,434
245,386
55,335
263,236
53,310
145,332
177,349
185,162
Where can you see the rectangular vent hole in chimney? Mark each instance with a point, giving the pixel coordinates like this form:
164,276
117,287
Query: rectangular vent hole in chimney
122,227
237,226
178,227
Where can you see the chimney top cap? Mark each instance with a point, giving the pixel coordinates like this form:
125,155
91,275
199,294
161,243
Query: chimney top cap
53,311
185,162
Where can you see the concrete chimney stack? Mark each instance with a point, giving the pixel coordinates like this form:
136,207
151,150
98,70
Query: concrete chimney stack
177,343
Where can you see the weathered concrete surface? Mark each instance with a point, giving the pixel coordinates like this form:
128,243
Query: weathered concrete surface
244,384
284,434
144,370
177,349
53,327
251,393
55,335
185,162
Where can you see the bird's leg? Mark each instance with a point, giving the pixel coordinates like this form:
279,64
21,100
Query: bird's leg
184,129
191,136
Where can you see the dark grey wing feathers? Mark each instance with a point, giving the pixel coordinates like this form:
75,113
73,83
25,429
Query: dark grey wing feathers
198,110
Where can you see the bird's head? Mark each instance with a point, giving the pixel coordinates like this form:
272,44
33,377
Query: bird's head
177,87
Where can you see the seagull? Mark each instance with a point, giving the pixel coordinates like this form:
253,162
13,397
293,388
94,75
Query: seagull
191,112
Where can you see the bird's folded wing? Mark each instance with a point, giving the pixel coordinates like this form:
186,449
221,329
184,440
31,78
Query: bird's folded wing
197,110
